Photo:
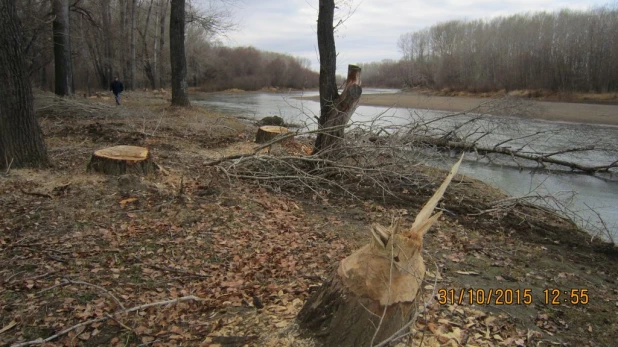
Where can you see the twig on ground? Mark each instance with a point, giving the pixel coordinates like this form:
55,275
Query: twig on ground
40,341
43,195
65,282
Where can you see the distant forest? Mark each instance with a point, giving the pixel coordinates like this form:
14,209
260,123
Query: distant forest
249,69
130,39
561,51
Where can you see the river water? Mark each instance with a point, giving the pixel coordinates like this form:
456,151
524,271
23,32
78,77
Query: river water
586,196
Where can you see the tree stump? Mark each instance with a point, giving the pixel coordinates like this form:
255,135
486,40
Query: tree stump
120,160
337,316
372,296
269,132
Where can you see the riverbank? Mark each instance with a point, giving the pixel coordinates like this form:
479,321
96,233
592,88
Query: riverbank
555,111
76,247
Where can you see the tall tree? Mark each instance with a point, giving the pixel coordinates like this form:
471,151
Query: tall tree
335,109
177,54
62,48
159,65
133,67
21,139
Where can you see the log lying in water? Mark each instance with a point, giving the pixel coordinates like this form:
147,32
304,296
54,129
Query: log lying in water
542,159
120,160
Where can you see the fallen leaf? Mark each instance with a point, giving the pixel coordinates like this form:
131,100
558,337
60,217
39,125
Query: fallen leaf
8,327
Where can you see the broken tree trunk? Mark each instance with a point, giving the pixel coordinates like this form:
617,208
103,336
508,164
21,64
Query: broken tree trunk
268,132
339,113
371,298
120,160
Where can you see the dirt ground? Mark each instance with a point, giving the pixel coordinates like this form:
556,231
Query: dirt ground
191,257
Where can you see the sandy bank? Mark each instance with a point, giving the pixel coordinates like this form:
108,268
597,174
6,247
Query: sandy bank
551,111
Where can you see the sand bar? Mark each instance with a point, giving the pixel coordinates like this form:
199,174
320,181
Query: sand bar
546,110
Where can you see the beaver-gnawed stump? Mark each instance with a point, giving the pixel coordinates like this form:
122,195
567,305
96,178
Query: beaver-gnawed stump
268,132
372,297
120,160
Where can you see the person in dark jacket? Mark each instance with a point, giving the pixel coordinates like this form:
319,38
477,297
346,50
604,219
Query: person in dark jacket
116,87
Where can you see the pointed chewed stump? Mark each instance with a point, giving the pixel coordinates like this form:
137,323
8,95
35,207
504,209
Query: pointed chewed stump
268,132
371,298
120,160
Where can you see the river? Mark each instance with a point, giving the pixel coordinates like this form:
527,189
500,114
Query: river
581,194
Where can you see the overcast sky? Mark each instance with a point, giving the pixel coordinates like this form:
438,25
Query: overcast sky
371,33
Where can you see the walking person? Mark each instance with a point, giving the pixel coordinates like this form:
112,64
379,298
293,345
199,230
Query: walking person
116,87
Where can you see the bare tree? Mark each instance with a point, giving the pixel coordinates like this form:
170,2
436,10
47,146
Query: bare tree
335,109
561,51
180,95
62,48
133,63
21,139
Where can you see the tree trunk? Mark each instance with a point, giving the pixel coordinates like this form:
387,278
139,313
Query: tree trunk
177,54
162,42
372,296
21,139
120,160
335,120
155,53
62,48
133,43
108,54
124,40
335,110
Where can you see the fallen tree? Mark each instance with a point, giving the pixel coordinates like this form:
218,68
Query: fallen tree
541,158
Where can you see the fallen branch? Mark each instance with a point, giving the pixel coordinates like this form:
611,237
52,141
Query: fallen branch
270,143
41,341
541,158
43,195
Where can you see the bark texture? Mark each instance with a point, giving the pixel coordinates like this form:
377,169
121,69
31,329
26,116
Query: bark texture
335,109
338,317
177,54
21,139
133,63
62,48
120,160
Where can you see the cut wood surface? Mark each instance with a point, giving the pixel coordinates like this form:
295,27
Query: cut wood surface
372,295
268,132
120,160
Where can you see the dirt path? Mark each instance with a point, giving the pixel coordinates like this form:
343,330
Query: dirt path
552,111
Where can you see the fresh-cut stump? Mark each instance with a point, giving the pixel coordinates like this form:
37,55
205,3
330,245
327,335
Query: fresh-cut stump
120,160
268,132
371,298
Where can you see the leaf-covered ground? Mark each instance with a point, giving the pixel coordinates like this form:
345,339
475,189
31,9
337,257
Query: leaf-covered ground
191,258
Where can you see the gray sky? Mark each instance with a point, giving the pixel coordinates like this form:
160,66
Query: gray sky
371,33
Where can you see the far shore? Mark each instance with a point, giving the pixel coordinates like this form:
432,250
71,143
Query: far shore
554,111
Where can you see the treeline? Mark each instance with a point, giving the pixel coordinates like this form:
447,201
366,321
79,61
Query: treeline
130,39
221,68
385,74
561,51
